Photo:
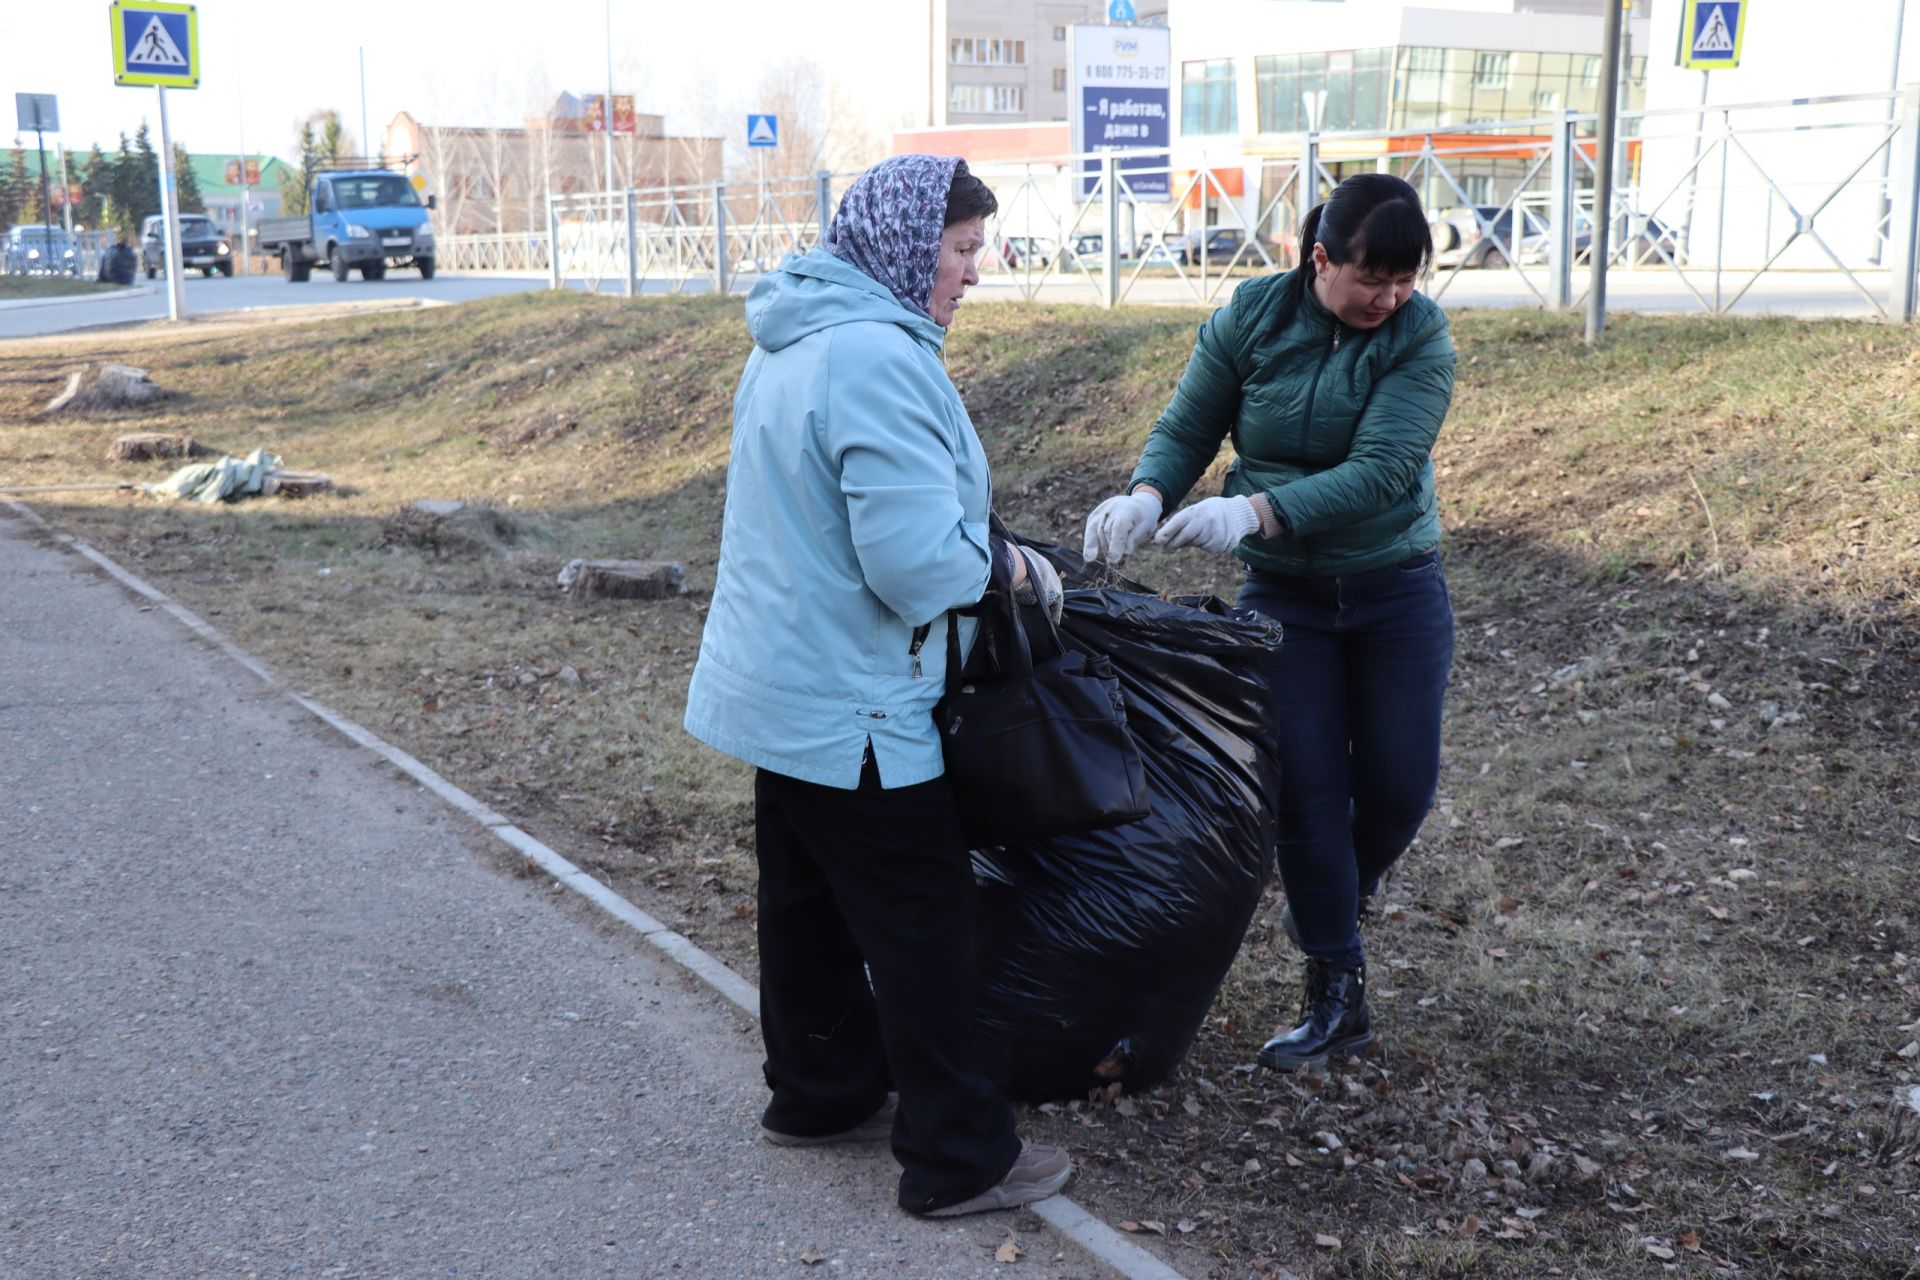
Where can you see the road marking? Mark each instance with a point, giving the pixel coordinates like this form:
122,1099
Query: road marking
1064,1215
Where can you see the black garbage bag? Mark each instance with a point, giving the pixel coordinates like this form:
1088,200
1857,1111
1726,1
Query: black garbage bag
1101,953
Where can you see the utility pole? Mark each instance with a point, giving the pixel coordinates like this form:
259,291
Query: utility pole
366,139
46,194
1885,210
606,112
1603,173
66,192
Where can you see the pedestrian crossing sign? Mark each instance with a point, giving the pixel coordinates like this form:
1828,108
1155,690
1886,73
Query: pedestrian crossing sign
1711,32
763,131
155,44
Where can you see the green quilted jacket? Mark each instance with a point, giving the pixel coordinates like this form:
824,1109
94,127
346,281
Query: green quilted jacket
1335,425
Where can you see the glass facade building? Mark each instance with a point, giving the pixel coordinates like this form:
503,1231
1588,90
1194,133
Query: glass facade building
1391,89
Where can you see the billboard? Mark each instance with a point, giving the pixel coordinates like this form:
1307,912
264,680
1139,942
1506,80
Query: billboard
1119,97
593,114
233,174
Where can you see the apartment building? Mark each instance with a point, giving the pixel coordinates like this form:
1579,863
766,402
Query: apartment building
1005,61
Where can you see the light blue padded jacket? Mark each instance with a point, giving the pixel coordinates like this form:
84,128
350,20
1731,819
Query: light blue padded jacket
857,500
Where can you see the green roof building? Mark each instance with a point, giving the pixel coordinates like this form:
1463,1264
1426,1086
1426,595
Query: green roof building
221,183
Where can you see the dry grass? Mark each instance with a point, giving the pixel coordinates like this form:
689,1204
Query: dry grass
1653,948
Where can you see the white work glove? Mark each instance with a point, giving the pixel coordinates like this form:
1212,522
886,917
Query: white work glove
1041,586
1216,524
1119,526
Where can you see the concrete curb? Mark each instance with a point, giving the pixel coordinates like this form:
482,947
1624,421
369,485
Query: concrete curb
132,291
1092,1235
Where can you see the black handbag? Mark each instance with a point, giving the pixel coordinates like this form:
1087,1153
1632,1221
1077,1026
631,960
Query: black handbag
1035,748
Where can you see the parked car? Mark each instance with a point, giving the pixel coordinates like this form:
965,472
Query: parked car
37,249
1153,255
1025,251
1462,240
1083,252
1221,244
201,245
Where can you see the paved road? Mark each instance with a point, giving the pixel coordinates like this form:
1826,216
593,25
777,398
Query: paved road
268,1009
242,293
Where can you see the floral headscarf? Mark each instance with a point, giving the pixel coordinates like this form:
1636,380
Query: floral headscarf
889,224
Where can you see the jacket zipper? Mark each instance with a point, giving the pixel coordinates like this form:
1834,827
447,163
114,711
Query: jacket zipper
1306,422
920,634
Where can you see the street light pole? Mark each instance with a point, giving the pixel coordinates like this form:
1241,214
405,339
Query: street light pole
1603,174
606,112
366,139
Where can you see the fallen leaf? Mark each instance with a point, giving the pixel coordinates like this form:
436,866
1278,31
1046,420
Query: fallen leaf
1507,906
1158,1228
1469,1227
1129,1226
1688,1240
1295,1162
1498,953
1911,1051
1126,1107
1586,1166
1659,1251
1327,1241
1184,1226
1009,1251
1741,1153
813,1257
1529,1214
1191,1106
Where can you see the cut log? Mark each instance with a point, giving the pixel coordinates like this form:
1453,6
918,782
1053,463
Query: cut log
295,484
146,445
624,579
103,387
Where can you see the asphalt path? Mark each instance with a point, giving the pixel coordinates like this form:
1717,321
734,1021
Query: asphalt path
269,1008
219,295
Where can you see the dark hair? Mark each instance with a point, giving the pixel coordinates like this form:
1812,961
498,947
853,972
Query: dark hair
1374,219
968,198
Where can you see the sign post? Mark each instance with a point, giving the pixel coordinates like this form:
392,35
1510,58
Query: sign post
41,112
763,134
157,43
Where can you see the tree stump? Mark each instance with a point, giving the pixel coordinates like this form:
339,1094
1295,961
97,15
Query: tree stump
144,446
102,387
623,579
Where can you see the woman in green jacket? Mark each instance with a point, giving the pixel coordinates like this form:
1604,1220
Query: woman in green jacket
1331,381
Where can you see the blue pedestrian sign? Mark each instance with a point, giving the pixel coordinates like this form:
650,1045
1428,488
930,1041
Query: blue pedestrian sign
1711,32
1120,11
155,43
763,131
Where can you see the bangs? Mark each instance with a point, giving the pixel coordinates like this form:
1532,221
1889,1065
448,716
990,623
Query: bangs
1393,240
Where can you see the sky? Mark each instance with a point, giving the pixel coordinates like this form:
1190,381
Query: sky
269,63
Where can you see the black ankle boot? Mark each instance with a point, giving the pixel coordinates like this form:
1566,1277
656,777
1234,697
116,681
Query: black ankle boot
1333,1020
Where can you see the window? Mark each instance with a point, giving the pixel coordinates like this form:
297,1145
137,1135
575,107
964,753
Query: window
1590,74
1356,82
984,51
987,99
1059,79
1490,70
1059,33
1206,98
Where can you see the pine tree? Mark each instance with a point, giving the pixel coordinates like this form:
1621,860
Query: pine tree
296,185
13,195
123,200
143,189
23,189
96,189
186,185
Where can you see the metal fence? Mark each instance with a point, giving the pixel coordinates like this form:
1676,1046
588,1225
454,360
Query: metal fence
1712,199
74,254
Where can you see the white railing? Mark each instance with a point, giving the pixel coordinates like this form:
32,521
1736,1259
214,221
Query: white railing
1715,198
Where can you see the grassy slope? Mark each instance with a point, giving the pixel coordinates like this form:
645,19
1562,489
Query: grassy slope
16,287
1686,571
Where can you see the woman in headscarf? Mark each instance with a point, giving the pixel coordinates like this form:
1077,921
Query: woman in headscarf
856,519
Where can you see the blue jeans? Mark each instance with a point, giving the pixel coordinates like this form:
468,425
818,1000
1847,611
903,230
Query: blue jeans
1357,686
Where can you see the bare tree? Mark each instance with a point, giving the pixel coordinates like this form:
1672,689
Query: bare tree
444,154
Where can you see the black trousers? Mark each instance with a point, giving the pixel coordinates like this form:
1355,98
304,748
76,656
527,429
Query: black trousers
875,882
